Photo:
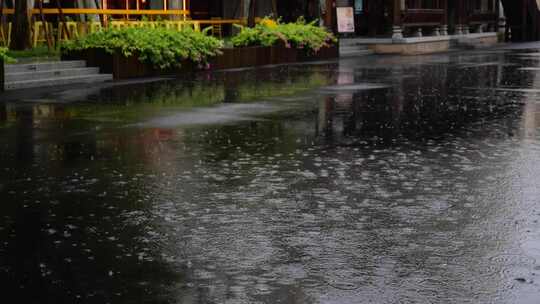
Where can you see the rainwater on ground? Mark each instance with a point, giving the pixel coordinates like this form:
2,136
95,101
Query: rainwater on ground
375,180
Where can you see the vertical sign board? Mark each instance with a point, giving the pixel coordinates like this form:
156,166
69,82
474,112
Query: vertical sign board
345,19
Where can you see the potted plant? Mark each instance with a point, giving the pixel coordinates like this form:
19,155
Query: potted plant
288,42
140,52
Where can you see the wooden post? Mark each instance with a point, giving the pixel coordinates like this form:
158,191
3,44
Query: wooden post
460,19
62,19
397,29
184,7
240,9
20,38
48,35
2,22
251,14
328,15
105,17
444,6
444,27
396,16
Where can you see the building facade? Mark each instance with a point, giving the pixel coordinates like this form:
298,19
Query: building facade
410,18
373,18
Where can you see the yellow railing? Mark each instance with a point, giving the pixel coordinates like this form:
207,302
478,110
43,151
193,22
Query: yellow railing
78,29
97,11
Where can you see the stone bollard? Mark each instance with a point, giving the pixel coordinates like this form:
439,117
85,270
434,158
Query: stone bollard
459,30
444,30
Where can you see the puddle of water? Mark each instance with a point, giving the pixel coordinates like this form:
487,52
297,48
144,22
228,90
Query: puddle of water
401,179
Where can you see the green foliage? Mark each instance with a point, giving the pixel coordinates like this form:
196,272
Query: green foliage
259,35
5,57
41,52
298,34
161,47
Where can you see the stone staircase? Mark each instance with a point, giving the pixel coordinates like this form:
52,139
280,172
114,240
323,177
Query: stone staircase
351,47
49,74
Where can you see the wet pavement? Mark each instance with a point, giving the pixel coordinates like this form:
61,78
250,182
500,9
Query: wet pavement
374,180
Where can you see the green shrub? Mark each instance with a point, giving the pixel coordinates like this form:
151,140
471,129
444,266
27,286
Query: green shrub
161,47
4,56
298,34
41,52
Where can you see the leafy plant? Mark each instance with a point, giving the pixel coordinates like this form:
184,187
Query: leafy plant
163,48
4,56
299,34
41,52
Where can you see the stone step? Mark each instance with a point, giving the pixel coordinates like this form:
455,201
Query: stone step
43,66
355,53
50,74
57,81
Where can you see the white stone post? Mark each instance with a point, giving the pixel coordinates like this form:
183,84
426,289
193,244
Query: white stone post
397,32
444,30
458,30
502,19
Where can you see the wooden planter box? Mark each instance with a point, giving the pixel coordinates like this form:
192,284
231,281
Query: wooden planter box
124,67
232,58
326,53
2,84
281,55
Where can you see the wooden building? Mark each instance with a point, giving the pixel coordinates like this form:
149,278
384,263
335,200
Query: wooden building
397,18
373,18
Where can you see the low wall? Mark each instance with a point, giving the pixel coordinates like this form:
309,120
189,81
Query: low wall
487,41
417,48
428,45
232,58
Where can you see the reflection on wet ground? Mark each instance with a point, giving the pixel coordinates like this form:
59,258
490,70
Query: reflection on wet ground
380,180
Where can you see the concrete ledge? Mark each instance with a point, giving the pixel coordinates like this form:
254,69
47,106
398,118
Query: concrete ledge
426,45
417,48
412,40
475,35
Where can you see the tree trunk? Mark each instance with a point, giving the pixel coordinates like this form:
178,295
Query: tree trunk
20,37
